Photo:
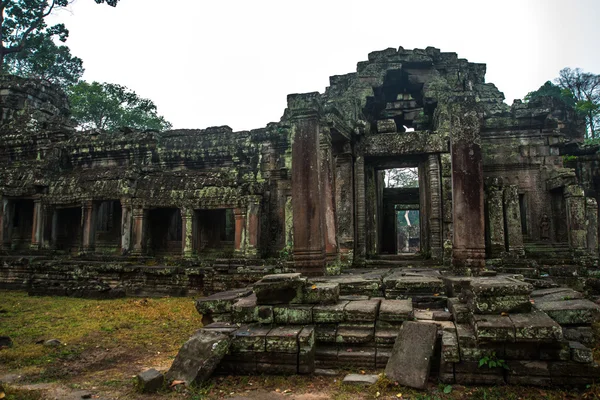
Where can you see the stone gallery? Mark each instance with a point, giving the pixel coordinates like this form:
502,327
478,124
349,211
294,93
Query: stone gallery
299,240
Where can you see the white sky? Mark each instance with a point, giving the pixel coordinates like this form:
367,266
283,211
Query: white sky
233,62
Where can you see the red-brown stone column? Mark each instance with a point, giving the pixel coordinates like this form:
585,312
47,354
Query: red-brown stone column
344,194
328,191
89,211
308,213
126,225
187,239
240,230
37,226
253,228
139,230
468,245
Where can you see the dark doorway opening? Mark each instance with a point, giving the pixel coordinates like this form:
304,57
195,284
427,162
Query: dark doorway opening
22,224
215,231
165,230
68,229
108,227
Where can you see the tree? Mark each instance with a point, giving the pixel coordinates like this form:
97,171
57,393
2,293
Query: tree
549,89
46,60
585,88
402,178
22,22
108,106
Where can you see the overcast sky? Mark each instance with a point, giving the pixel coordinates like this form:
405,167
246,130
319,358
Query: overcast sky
218,62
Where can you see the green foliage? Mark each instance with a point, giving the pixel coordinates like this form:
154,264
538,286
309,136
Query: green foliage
549,89
447,389
110,106
492,361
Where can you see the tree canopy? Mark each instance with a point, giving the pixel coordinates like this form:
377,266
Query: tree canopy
23,28
109,106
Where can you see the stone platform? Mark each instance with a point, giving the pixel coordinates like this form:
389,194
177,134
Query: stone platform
490,330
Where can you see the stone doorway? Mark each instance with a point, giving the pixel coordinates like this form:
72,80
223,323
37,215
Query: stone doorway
108,227
22,224
67,228
165,231
214,231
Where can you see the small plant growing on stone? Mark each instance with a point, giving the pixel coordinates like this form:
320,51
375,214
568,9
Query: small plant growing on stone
492,361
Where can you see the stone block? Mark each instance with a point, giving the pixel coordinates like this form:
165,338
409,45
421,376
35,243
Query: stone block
222,327
220,303
280,289
477,352
360,380
529,368
582,334
559,351
555,294
237,364
446,373
581,353
386,337
334,313
499,304
199,357
536,326
400,285
450,351
573,370
386,126
326,357
357,357
396,310
283,339
325,333
526,380
466,336
250,338
442,316
522,351
493,328
307,350
460,311
362,311
410,362
498,286
321,293
150,381
293,314
382,357
571,312
355,335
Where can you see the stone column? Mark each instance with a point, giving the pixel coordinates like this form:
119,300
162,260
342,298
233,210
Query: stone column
37,226
360,249
591,220
253,226
575,205
54,229
495,220
139,230
126,223
89,211
468,246
512,222
187,232
8,209
371,214
240,230
344,196
435,205
327,165
308,212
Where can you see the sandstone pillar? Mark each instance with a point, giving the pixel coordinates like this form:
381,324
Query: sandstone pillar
435,204
37,226
89,211
240,230
576,224
468,245
253,226
360,211
328,191
126,223
6,225
371,212
139,230
591,218
512,220
187,237
308,213
344,196
54,229
495,221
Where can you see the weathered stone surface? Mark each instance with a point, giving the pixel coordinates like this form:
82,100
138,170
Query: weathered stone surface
222,302
362,311
386,337
410,361
494,328
571,312
150,381
357,357
536,327
283,339
222,327
348,335
555,294
498,286
250,338
325,333
450,351
323,314
396,310
199,356
460,311
280,289
360,380
580,353
400,285
321,293
293,314
499,304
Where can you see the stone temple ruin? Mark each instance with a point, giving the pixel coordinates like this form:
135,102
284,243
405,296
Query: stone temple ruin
506,206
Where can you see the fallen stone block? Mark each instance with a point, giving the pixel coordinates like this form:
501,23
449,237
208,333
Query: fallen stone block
536,326
571,312
220,303
199,357
246,311
410,362
280,289
321,293
150,381
360,380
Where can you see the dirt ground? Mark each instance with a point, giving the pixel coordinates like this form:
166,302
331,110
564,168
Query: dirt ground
105,344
